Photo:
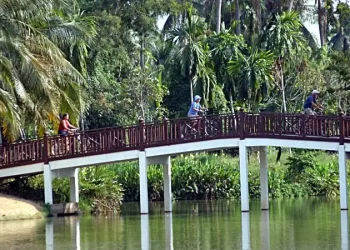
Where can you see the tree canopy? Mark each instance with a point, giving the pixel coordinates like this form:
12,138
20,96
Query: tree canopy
107,63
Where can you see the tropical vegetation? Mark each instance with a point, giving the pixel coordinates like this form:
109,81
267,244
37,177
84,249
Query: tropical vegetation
111,63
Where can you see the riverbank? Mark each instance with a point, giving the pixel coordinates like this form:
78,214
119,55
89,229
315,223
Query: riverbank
14,208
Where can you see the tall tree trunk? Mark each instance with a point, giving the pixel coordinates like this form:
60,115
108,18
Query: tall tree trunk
322,22
283,91
257,9
218,15
231,103
290,5
238,17
191,89
142,52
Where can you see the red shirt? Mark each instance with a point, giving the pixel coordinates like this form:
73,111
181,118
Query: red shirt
64,125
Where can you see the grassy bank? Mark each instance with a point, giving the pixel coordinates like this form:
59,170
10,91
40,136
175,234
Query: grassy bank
201,176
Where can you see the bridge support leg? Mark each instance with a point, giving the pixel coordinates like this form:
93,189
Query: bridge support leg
143,183
264,186
243,169
343,178
167,185
48,184
74,186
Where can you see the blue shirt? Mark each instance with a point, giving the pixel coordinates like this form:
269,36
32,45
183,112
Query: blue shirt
194,105
308,102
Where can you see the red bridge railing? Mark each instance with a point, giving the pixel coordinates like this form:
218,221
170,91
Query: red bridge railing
168,132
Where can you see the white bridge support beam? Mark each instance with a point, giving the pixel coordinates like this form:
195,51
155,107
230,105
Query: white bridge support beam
343,178
145,161
74,186
168,203
48,184
73,174
264,181
243,169
143,183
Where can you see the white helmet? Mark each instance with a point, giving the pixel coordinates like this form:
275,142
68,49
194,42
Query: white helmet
315,92
197,97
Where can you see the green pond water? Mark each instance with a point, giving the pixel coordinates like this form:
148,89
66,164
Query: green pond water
289,224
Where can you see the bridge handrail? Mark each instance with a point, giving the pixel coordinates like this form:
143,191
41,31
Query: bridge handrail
167,132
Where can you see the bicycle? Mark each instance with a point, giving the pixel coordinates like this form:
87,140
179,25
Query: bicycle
316,127
190,131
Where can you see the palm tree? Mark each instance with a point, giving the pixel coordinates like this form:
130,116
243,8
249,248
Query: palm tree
225,47
284,38
253,75
36,79
186,43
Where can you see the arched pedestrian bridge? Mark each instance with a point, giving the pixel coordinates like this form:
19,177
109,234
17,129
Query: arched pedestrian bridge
155,143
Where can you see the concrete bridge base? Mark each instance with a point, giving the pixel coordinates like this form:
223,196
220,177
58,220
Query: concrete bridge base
63,209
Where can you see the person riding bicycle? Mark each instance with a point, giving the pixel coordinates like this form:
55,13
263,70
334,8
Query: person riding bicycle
194,109
65,127
311,104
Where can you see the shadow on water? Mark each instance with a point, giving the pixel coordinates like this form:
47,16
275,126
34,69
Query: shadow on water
192,225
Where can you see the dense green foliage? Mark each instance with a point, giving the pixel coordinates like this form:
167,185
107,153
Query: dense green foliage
109,63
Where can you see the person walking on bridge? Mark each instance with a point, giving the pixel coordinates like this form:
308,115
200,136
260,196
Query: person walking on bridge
311,104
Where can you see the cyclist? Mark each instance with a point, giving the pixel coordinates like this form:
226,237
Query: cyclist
65,127
194,109
311,104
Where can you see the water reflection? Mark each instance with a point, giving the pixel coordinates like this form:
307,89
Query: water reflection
74,225
245,231
344,230
169,245
265,229
145,232
302,228
49,235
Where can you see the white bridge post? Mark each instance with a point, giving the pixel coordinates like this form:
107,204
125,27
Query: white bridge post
74,186
243,169
143,183
167,185
264,181
343,178
48,184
